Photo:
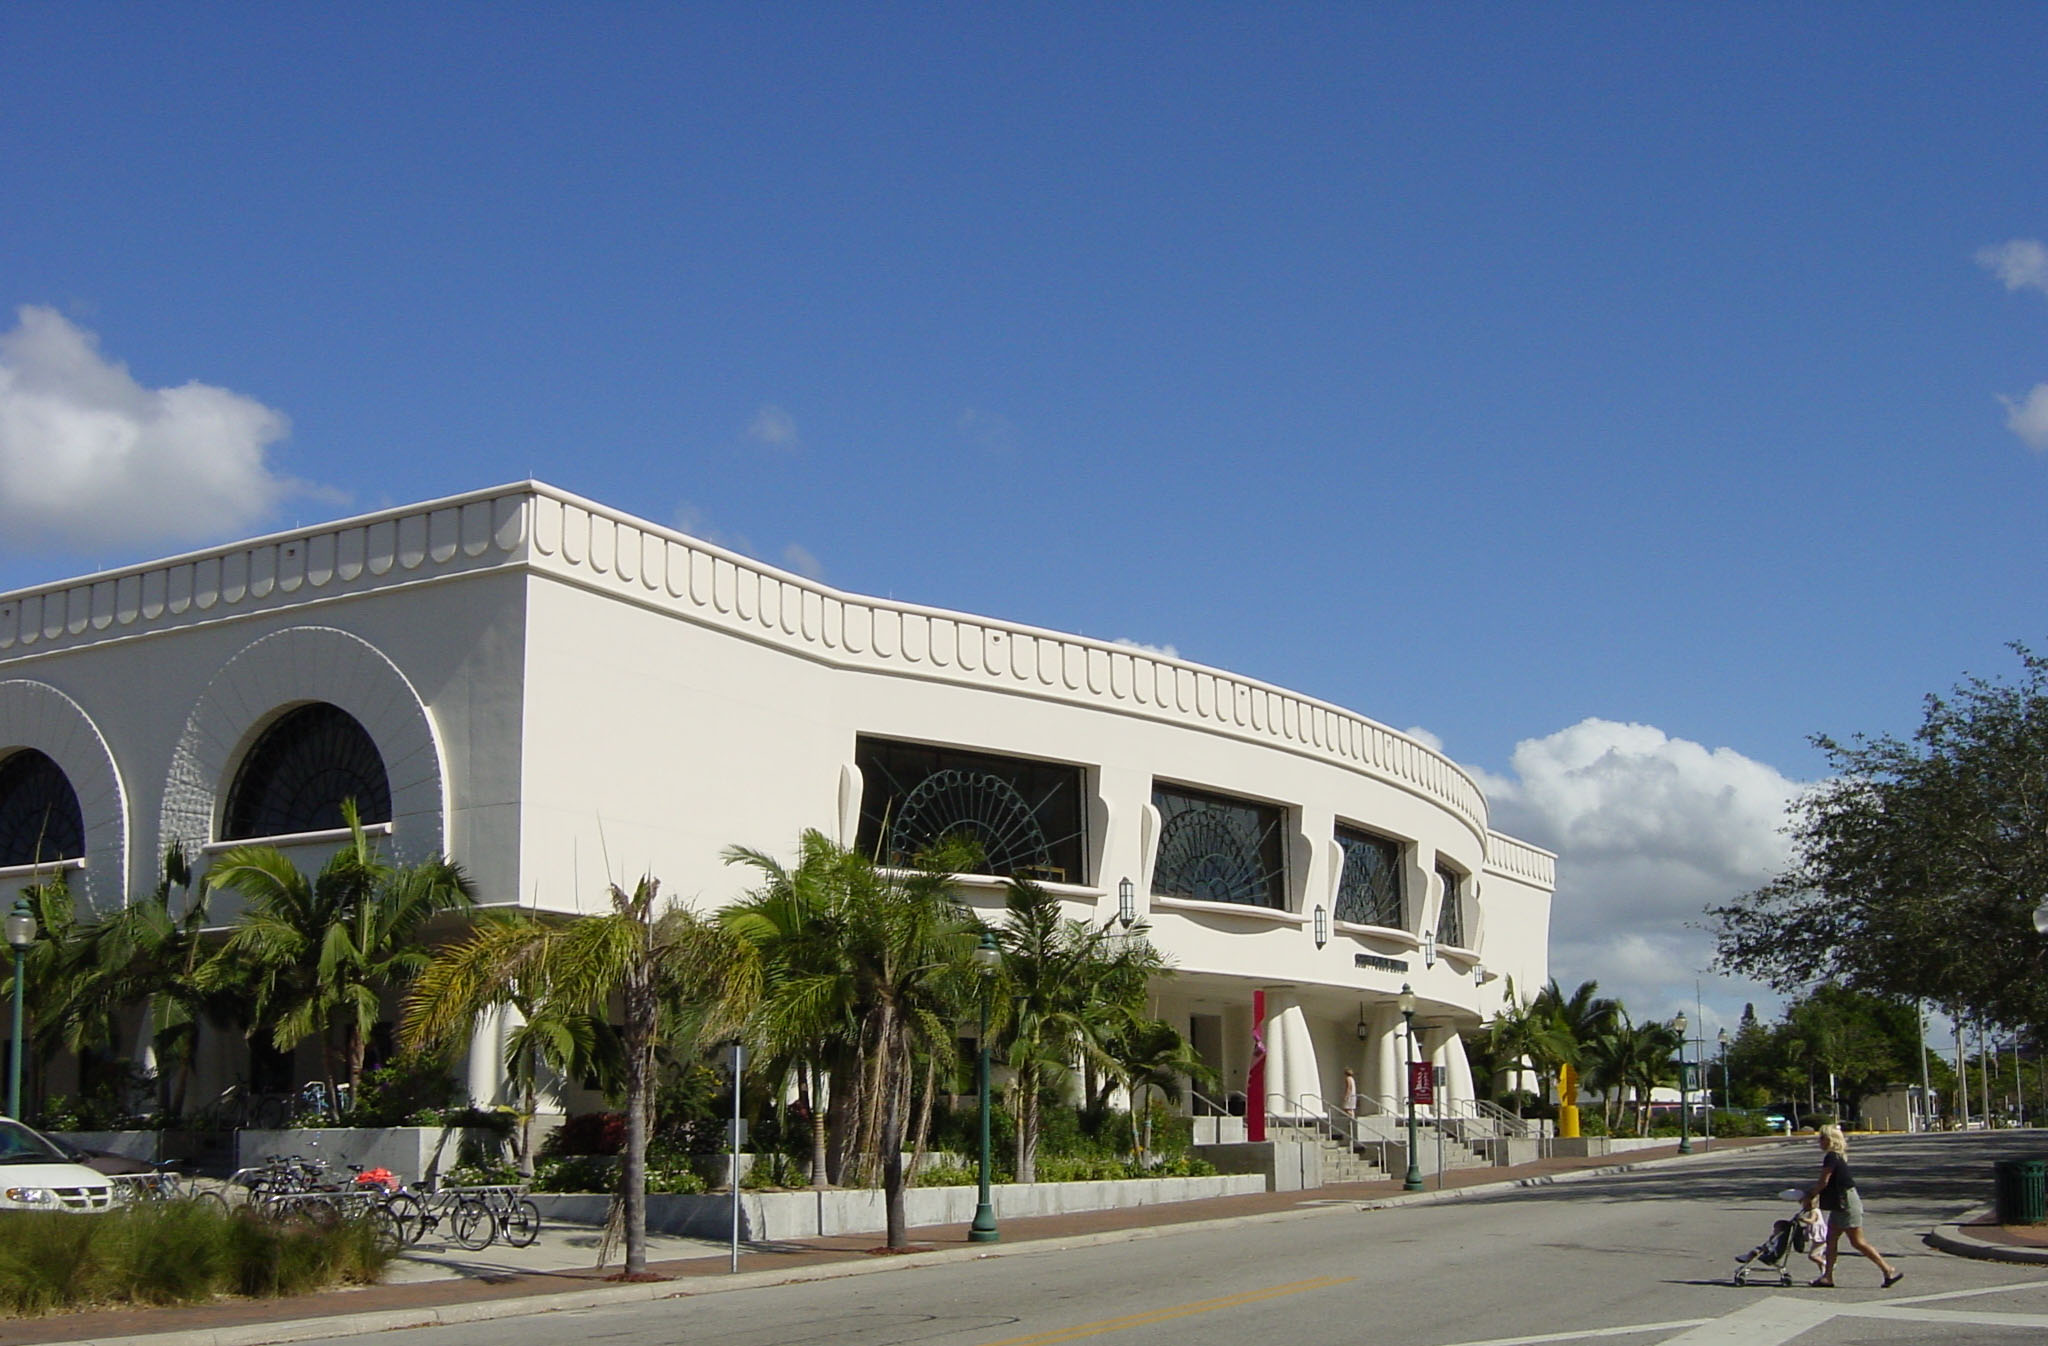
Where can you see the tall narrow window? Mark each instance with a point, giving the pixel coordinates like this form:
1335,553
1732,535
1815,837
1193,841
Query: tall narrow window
1450,921
1023,816
1213,848
299,771
39,816
1369,892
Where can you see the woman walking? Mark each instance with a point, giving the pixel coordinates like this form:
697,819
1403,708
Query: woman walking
1836,1194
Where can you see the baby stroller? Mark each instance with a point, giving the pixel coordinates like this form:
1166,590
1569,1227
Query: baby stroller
1805,1232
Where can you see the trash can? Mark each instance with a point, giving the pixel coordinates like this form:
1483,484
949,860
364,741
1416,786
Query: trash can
2021,1188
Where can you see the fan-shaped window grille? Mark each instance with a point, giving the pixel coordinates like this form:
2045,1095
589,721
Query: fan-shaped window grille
1369,893
39,816
1024,816
300,770
1450,921
1216,849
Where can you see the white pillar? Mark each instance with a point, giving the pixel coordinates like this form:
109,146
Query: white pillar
486,1066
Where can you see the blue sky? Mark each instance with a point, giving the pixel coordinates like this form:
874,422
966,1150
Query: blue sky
1631,383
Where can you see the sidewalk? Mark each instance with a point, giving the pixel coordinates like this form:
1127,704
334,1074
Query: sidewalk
1977,1233
442,1286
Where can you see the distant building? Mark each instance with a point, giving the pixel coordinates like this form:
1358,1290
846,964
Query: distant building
560,695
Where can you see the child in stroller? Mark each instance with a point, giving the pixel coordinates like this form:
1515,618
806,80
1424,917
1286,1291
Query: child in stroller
1806,1232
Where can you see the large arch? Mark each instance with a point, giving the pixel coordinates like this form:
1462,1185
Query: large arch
37,715
291,668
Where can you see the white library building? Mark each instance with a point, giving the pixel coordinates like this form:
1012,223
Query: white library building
560,696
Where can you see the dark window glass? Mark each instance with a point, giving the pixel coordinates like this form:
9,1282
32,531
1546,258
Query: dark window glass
300,770
1213,848
1024,815
1450,921
39,817
1369,893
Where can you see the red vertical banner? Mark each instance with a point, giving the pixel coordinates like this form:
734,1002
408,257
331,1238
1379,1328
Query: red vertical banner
1255,1078
1421,1083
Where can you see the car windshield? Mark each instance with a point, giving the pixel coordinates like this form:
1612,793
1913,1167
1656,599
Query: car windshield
19,1145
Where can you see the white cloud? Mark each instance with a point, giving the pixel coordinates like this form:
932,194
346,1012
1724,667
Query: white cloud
2021,263
2027,417
1166,651
1649,831
798,557
1424,737
774,427
88,456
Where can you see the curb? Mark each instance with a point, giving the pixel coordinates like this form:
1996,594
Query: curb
279,1333
1954,1238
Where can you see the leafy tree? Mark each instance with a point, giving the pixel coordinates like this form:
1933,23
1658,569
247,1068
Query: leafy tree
1917,864
674,974
319,951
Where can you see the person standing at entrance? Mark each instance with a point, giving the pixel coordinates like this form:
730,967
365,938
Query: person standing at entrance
1836,1194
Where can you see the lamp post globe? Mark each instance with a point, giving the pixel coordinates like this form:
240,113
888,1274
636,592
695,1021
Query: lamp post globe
987,958
21,936
1413,1181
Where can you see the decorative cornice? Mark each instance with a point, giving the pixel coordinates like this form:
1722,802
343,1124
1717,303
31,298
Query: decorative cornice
532,525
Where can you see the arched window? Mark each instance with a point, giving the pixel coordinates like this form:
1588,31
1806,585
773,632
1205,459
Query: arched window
299,771
39,816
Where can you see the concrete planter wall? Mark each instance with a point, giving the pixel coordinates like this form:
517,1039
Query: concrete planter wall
820,1214
412,1152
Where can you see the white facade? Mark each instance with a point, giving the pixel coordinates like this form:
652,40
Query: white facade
564,696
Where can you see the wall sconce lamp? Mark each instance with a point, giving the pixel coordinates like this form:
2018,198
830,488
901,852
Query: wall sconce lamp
1126,903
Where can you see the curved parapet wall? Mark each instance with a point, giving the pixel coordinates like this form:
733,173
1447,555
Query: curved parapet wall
588,544
581,542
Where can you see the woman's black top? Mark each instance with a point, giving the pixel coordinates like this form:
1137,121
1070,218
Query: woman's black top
1836,1181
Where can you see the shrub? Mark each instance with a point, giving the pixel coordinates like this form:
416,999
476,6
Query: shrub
588,1133
576,1173
398,1093
174,1253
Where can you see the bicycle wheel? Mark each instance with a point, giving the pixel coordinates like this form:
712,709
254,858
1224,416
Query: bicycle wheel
474,1226
409,1215
384,1225
521,1223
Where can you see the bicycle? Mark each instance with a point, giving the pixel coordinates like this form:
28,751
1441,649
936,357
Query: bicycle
516,1216
471,1224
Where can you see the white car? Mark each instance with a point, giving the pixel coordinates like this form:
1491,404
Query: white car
36,1175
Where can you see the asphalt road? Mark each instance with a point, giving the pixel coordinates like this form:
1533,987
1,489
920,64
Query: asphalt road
1640,1257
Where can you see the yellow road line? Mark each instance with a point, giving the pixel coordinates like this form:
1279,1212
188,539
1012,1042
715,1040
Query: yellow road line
1097,1329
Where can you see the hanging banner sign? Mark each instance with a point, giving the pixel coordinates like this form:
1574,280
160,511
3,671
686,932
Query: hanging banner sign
1422,1083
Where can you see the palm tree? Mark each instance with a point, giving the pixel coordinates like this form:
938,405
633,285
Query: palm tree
1070,987
319,951
1152,1055
1522,1035
676,974
149,953
465,979
797,920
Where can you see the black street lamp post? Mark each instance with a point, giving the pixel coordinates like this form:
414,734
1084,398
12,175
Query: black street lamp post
1413,1182
1684,1098
987,957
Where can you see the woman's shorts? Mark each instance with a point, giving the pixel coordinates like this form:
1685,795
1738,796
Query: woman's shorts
1850,1216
